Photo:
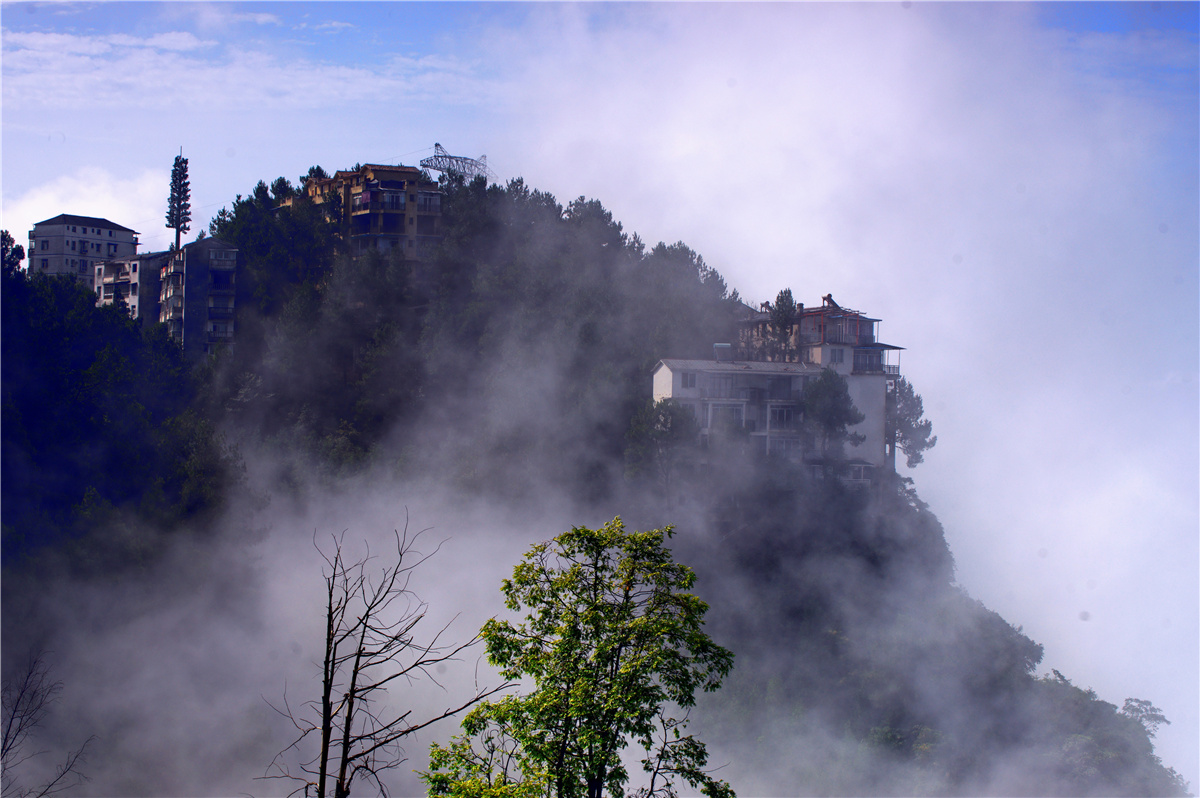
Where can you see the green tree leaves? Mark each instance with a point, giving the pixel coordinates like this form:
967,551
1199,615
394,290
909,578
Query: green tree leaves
612,640
908,430
179,203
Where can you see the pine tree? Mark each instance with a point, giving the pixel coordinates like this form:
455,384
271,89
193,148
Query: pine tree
179,205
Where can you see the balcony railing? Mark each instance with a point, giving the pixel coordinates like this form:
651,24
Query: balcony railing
220,313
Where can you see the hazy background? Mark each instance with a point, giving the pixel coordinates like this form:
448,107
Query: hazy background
1012,188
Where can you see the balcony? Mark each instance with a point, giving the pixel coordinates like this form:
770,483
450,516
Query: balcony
220,313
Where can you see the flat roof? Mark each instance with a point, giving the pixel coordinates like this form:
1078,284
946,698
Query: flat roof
739,366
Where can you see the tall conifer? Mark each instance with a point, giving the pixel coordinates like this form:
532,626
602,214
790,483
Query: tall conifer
179,205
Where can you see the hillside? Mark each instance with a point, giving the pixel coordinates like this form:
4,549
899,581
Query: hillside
510,369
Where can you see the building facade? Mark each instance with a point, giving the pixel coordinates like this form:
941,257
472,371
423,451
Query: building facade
382,207
758,386
197,295
73,245
135,281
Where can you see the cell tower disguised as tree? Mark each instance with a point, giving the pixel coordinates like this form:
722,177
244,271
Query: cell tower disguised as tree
179,205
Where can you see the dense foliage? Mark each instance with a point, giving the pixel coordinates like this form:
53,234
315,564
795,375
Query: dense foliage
99,424
614,644
515,365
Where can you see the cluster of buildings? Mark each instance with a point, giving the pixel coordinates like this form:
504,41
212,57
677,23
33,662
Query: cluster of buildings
757,385
194,290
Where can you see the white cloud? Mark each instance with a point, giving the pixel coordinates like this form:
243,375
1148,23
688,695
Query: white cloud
137,202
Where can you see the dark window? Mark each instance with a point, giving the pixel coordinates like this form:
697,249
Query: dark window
688,379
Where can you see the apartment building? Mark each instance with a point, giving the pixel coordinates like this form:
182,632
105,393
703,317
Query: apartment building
134,281
197,295
827,335
382,207
741,387
72,246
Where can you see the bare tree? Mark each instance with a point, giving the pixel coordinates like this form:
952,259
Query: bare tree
370,618
26,702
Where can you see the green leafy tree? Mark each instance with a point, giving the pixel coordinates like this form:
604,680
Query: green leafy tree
179,204
783,316
613,642
830,411
907,429
1145,713
12,252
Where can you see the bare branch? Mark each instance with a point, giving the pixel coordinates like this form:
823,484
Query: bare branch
371,619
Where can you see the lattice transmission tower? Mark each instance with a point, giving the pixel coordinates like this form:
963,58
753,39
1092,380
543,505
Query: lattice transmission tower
469,168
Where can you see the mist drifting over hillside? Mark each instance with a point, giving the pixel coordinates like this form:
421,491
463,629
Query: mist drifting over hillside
513,363
1012,188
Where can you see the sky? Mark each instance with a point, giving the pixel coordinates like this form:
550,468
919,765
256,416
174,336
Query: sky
1014,189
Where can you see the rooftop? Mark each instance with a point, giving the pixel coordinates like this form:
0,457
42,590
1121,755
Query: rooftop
89,221
739,366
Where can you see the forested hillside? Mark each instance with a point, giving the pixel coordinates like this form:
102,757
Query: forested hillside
514,368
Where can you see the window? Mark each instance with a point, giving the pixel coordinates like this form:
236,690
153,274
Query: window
99,272
45,263
45,244
429,202
135,268
783,417
722,386
730,415
687,379
837,355
110,233
72,245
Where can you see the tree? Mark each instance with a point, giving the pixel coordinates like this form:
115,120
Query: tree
370,618
11,253
179,204
906,427
26,701
658,440
612,641
783,315
282,189
1145,713
831,412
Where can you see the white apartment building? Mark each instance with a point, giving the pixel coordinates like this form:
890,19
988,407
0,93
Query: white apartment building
74,245
764,397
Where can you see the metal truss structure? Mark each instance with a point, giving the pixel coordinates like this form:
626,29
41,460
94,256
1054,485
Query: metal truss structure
469,168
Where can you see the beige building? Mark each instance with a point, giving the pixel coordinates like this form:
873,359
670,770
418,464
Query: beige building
74,245
383,207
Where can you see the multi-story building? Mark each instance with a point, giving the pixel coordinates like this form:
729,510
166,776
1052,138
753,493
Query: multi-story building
133,280
73,245
742,388
382,207
197,297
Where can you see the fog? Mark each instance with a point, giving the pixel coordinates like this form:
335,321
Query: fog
1013,190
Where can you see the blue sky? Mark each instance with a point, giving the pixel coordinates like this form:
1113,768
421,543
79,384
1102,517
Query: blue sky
1012,188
